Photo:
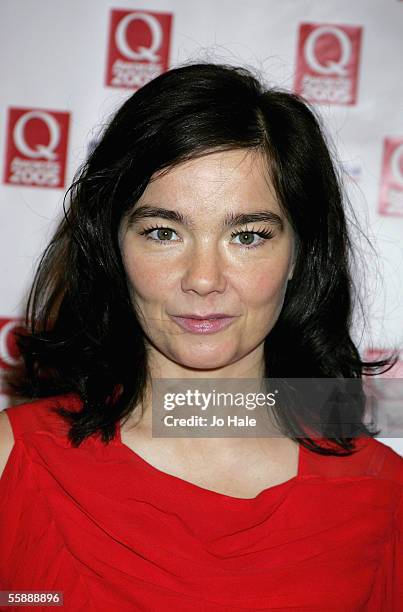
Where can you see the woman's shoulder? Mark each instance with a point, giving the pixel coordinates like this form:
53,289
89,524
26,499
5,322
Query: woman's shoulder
371,458
385,462
27,418
39,414
6,440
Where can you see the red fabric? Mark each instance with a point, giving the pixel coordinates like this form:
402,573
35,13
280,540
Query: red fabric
114,533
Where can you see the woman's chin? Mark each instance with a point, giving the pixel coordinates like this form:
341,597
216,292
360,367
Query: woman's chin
210,360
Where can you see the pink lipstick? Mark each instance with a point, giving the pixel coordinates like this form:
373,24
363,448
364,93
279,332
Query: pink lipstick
197,325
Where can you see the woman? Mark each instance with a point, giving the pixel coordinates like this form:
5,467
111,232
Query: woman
207,196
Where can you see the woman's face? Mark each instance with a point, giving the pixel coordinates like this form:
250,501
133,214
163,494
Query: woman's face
201,262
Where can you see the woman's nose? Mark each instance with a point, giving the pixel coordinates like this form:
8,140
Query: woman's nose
204,271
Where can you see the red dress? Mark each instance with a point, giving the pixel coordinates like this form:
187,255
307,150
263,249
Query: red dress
114,533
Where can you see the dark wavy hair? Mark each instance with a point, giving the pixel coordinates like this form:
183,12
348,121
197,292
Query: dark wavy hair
82,334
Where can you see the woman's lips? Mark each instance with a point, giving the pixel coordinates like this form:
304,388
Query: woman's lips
203,326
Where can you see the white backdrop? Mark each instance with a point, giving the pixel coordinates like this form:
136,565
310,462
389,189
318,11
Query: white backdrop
66,66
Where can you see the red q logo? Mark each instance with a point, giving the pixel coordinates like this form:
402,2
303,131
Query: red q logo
332,67
142,53
36,147
396,164
371,354
391,187
327,63
38,150
9,355
384,392
139,44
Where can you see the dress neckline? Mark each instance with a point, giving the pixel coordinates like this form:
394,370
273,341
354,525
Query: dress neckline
214,495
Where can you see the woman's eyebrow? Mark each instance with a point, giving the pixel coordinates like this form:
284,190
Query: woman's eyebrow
230,220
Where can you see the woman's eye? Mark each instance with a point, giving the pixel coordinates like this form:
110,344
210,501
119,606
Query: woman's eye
161,234
247,238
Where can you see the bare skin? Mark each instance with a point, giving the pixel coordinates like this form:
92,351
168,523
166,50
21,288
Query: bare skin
239,467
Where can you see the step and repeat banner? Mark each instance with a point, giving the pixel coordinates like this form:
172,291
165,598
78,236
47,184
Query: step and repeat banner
67,65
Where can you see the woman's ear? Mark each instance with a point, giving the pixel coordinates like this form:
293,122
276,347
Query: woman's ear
291,272
290,275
